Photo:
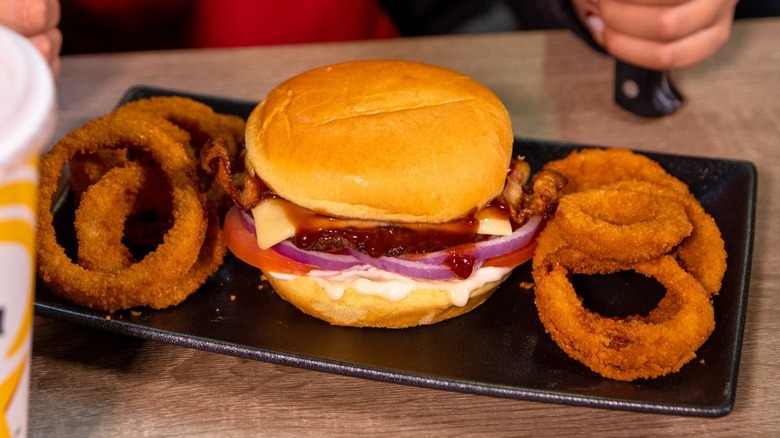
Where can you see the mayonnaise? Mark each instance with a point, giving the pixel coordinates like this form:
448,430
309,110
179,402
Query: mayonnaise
393,287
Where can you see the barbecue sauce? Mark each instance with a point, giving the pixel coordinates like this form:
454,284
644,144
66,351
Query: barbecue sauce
320,233
386,240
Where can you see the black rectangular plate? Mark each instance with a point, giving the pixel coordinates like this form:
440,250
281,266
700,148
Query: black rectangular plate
499,349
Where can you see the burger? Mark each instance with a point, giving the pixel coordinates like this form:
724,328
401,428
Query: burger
380,193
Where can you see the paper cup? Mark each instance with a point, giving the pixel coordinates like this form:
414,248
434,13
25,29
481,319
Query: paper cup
26,125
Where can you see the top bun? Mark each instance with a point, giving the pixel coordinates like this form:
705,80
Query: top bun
393,141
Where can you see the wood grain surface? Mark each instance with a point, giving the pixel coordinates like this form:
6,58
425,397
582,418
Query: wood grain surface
92,383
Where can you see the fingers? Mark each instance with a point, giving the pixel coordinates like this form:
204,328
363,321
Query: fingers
659,34
37,20
30,17
659,22
668,54
49,44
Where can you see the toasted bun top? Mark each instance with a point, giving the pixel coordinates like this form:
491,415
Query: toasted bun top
391,141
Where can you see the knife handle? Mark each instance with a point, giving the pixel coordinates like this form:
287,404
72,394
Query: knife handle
644,92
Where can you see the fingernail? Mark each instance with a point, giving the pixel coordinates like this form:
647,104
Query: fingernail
595,23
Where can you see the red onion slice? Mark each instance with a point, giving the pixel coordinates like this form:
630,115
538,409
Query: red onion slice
319,259
423,267
248,221
405,267
488,248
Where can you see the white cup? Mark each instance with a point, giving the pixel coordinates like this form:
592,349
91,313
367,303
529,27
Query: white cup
27,119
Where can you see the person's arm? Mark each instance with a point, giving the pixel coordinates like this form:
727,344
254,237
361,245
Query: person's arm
37,20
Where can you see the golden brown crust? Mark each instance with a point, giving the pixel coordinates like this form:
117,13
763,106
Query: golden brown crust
420,307
360,139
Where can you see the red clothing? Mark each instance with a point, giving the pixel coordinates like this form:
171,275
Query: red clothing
219,23
155,24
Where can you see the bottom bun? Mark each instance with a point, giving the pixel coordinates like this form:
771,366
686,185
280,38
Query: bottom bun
419,307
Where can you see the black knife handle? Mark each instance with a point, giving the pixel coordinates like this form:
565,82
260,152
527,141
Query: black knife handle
644,92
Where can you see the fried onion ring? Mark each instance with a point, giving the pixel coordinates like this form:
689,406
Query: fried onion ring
100,217
202,123
624,212
210,257
197,118
100,237
87,168
592,168
703,253
149,281
550,241
622,225
626,348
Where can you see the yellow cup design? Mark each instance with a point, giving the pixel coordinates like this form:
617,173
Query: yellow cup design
18,190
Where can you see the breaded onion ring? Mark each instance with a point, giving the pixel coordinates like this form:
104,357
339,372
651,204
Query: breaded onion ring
550,241
621,225
202,123
100,217
197,118
87,168
210,257
592,168
703,253
626,348
661,231
99,222
148,282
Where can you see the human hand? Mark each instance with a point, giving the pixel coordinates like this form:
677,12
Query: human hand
658,34
37,20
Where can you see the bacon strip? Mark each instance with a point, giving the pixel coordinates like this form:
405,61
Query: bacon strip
541,198
245,190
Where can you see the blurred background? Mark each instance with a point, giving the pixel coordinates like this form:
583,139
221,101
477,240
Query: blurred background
95,26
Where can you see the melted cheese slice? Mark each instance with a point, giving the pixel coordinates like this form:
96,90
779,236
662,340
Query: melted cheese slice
279,217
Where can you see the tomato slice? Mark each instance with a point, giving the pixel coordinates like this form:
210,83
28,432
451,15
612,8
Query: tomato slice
514,258
244,246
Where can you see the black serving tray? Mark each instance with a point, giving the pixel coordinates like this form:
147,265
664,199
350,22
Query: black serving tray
499,349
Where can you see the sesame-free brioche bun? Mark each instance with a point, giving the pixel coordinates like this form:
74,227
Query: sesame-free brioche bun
420,307
393,141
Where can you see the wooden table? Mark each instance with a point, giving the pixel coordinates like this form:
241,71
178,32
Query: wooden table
92,383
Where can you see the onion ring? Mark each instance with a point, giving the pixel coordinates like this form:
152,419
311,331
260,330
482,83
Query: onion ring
210,257
703,253
100,217
622,225
99,224
197,118
592,168
628,348
87,168
149,281
550,241
191,122
665,234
